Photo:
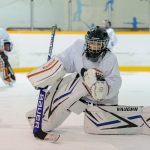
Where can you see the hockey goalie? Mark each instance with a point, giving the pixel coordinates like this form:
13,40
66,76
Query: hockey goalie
85,73
6,71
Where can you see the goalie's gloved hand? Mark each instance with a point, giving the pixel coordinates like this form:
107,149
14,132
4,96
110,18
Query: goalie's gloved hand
95,82
98,74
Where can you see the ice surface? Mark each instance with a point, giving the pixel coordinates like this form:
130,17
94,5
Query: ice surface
16,134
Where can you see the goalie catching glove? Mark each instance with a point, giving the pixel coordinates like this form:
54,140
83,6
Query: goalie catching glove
95,82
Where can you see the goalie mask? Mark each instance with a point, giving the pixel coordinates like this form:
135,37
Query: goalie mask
8,46
96,43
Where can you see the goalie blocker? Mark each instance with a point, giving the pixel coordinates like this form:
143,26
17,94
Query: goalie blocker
48,74
117,120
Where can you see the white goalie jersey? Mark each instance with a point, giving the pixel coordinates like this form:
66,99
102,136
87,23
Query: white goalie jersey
74,60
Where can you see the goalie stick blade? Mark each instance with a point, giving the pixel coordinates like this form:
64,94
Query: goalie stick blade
52,137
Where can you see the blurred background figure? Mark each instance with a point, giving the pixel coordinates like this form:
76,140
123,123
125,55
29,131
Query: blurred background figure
113,38
77,15
6,46
109,4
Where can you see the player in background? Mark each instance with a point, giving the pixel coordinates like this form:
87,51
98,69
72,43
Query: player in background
6,45
113,38
94,78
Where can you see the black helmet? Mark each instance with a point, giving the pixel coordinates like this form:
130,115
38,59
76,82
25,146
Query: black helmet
96,43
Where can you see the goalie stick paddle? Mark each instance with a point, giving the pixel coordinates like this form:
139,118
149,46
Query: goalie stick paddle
37,130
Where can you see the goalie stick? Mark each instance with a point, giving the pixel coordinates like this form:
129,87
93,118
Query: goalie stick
37,130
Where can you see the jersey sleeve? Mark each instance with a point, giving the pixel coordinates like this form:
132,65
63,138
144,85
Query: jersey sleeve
67,56
113,77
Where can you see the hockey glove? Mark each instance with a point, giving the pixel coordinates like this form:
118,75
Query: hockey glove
95,82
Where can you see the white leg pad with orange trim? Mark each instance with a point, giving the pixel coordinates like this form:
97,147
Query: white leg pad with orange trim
47,74
6,72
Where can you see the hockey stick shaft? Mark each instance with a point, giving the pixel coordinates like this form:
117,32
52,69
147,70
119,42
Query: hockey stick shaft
37,130
51,43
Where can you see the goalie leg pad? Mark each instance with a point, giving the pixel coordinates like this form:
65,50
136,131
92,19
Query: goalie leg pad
2,65
30,115
60,99
6,72
57,104
8,76
117,120
47,74
146,120
78,107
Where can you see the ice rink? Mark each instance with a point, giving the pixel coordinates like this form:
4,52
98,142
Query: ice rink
16,134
